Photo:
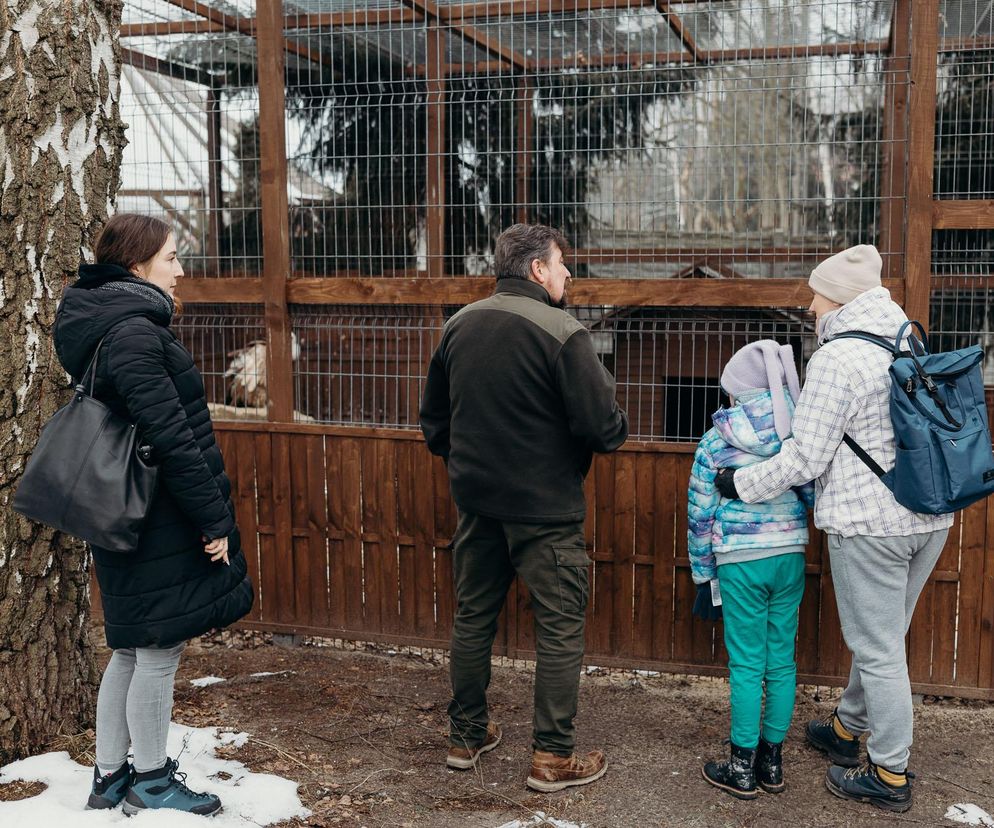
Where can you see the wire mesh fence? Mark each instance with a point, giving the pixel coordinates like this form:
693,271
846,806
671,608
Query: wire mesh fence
704,140
367,365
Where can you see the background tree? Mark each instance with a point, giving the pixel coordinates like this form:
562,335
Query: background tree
61,138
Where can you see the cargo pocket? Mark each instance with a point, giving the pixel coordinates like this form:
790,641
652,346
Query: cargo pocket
573,577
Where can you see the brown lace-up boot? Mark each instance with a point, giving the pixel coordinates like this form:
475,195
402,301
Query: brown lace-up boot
464,758
553,773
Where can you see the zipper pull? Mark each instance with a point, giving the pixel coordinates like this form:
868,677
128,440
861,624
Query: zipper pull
952,443
909,386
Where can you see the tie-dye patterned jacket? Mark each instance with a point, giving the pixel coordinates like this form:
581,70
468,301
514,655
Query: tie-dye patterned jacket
737,531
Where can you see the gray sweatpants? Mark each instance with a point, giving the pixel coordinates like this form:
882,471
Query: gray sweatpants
134,706
877,584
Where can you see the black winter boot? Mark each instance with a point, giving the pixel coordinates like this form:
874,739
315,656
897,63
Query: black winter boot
863,784
769,767
821,733
736,775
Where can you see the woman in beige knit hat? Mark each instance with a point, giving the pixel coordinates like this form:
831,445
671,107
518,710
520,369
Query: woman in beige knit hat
881,553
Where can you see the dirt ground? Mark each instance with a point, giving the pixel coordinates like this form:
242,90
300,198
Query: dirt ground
362,731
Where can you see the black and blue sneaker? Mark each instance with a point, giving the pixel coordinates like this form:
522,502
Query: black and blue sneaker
166,788
110,789
863,784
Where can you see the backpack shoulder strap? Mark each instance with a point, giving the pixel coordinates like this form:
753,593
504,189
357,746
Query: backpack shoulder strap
863,455
868,337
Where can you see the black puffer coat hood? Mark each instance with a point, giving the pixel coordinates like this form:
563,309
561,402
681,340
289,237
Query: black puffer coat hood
168,589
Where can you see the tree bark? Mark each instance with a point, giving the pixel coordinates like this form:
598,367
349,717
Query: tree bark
61,138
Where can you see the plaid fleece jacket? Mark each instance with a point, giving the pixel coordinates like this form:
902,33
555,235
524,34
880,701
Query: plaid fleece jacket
846,390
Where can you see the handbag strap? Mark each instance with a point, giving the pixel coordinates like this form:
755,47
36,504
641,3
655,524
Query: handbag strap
91,369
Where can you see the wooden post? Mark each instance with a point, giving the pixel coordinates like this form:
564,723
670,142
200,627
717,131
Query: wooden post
215,202
921,158
435,191
893,177
523,149
275,207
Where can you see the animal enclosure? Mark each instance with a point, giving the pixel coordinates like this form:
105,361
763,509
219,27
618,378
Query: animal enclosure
337,172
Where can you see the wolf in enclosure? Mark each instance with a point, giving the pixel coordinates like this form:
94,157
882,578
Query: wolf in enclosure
247,374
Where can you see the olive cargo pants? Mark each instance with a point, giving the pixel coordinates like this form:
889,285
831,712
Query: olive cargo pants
552,561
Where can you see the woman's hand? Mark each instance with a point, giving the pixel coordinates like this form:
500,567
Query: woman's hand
217,549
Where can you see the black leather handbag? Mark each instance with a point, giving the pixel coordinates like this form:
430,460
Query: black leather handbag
89,474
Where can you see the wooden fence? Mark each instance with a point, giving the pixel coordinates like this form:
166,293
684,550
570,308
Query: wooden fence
347,531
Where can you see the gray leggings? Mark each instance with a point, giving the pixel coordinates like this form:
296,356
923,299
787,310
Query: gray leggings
134,706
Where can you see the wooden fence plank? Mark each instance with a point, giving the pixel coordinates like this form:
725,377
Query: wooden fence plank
317,525
971,593
664,549
985,667
623,554
267,528
283,524
601,613
304,566
645,518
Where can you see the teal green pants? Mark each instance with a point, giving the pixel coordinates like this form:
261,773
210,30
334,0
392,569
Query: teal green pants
759,603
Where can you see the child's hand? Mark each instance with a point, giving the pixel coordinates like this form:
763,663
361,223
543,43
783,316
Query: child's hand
724,482
704,607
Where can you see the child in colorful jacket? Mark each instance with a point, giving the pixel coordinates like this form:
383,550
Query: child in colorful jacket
756,551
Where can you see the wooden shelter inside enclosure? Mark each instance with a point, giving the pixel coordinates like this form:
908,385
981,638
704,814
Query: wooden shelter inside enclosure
338,171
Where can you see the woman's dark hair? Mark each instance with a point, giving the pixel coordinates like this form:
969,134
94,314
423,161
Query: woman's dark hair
519,245
129,239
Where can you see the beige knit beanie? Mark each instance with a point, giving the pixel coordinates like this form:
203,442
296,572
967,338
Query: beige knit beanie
846,275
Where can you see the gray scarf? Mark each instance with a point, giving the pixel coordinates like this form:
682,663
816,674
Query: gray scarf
146,290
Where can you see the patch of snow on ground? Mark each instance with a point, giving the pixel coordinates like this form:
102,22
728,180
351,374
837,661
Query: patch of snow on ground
206,681
541,819
969,814
249,799
277,673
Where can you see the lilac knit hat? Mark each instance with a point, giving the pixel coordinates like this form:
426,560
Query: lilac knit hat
764,364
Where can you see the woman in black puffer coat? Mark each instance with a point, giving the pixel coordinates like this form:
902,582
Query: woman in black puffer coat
188,575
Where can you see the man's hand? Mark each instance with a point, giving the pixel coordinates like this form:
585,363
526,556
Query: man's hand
724,482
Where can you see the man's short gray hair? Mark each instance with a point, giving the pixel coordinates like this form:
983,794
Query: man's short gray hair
519,245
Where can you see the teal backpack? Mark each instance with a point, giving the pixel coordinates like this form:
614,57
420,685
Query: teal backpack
944,460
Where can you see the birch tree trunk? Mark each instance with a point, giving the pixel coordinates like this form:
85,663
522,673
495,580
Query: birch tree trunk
61,138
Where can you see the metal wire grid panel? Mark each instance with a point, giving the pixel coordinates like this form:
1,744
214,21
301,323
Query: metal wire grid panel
189,95
963,260
228,345
365,365
712,137
742,137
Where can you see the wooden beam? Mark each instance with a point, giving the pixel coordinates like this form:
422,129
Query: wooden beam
246,26
228,22
609,255
215,197
468,33
460,290
893,183
676,26
164,67
524,139
435,162
169,27
214,290
966,214
921,158
275,207
341,19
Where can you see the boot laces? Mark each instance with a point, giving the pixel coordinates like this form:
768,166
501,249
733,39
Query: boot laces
179,777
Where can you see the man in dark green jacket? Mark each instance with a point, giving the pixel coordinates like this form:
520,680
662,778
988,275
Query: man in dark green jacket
516,402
